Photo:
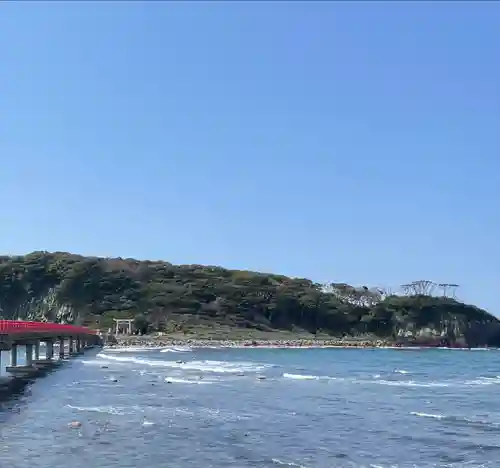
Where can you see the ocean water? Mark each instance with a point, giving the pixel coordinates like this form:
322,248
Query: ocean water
239,408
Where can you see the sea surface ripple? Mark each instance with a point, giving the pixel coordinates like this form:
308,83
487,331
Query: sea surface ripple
239,408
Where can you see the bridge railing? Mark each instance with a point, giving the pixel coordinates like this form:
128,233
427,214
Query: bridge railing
18,326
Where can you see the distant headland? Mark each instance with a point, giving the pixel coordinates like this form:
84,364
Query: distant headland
213,303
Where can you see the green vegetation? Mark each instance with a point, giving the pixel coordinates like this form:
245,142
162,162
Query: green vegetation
64,287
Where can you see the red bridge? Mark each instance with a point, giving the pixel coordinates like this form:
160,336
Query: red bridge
72,340
18,327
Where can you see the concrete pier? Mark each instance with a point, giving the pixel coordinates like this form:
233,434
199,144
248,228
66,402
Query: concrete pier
48,362
28,370
45,363
23,372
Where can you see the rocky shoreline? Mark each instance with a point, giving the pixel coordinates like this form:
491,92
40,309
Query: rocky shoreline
137,341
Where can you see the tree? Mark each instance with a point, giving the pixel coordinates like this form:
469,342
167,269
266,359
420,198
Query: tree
159,295
141,324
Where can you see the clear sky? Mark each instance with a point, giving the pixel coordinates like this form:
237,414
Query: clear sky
355,142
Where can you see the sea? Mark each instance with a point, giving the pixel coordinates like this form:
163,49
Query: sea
180,407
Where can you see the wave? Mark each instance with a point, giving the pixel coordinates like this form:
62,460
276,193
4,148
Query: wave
441,348
466,349
98,409
93,362
186,381
428,415
307,377
141,349
480,381
411,383
484,381
176,349
277,461
133,349
221,367
460,420
444,383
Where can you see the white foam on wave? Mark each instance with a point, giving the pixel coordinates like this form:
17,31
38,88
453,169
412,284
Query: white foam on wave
132,349
480,381
206,413
93,362
98,409
202,366
186,381
176,349
411,383
277,461
483,381
459,419
427,415
376,379
306,377
465,349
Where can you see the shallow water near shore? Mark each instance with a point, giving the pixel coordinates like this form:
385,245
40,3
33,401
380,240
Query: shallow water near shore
316,408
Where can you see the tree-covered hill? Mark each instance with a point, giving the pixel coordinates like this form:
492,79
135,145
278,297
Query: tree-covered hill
89,290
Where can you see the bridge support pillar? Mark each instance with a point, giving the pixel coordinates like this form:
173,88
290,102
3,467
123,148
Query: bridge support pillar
61,348
29,354
5,342
75,347
13,355
49,350
37,350
48,362
71,345
26,371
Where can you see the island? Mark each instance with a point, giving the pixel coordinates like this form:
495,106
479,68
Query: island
203,302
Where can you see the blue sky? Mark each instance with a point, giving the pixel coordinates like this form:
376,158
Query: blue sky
355,142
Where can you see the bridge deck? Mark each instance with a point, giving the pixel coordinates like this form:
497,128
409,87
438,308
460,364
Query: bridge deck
16,330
